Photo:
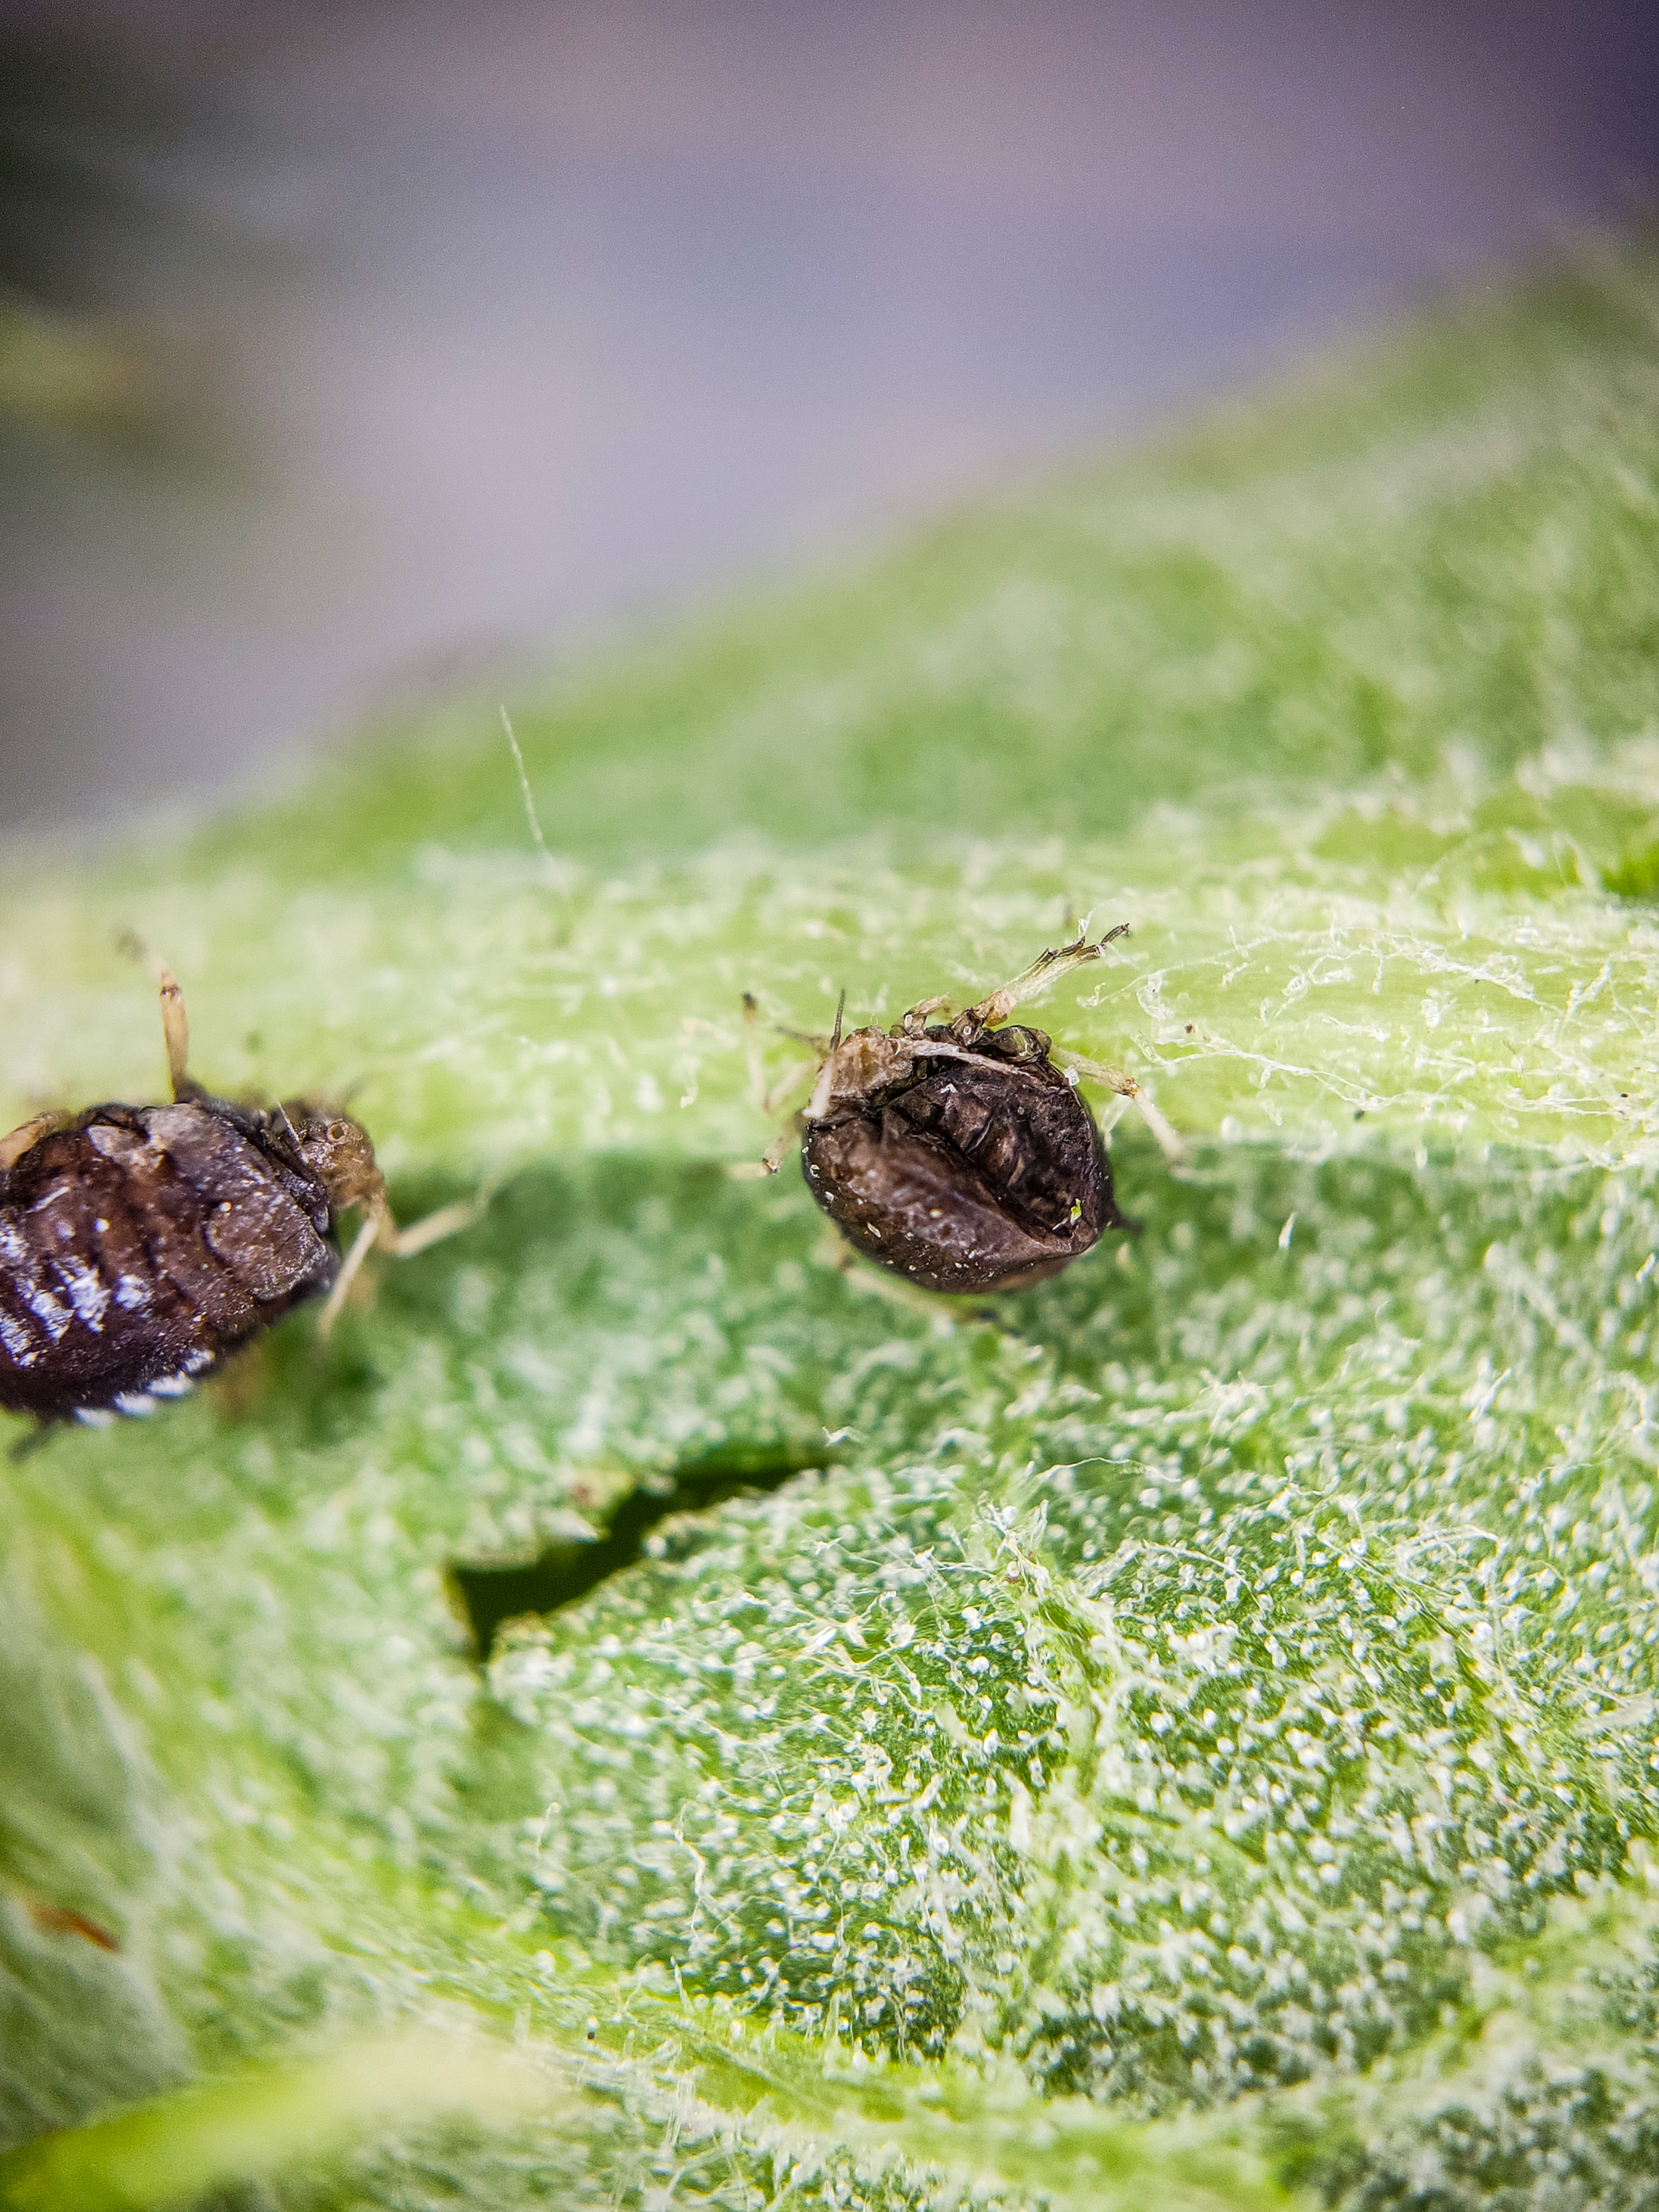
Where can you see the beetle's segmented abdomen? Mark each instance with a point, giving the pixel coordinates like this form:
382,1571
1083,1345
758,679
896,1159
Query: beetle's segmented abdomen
986,1174
1030,1136
134,1248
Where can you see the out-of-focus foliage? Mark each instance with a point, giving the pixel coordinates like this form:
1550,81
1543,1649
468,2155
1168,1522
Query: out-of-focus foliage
1185,1736
51,368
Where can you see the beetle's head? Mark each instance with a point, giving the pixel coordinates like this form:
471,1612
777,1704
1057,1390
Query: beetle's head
856,1071
339,1153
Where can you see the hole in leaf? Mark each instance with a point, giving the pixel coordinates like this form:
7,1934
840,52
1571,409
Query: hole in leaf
565,1572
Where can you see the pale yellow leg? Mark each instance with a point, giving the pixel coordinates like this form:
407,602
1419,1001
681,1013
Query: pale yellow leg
871,1280
378,1227
791,1079
175,1032
914,1019
175,1026
434,1227
1048,968
769,1161
25,1137
751,1049
350,1267
1090,1071
767,1101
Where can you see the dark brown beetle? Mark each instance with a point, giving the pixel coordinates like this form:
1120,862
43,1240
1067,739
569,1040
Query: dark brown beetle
958,1155
139,1244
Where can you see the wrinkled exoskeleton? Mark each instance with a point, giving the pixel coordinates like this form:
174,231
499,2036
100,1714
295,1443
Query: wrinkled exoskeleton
140,1243
958,1153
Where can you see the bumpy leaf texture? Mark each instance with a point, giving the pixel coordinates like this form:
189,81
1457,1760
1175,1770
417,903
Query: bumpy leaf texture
645,1715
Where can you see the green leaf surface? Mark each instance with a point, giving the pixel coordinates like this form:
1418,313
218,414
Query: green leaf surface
1183,1735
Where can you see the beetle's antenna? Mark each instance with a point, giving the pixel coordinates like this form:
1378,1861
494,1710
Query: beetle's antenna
537,837
840,1008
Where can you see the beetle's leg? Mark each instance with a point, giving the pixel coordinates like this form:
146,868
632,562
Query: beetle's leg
175,1032
873,1280
914,1020
768,1102
367,1231
1046,968
759,1096
772,1158
380,1226
1090,1071
175,1023
432,1228
751,1049
788,1081
25,1136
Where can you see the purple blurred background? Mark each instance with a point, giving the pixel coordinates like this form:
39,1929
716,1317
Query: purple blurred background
344,350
